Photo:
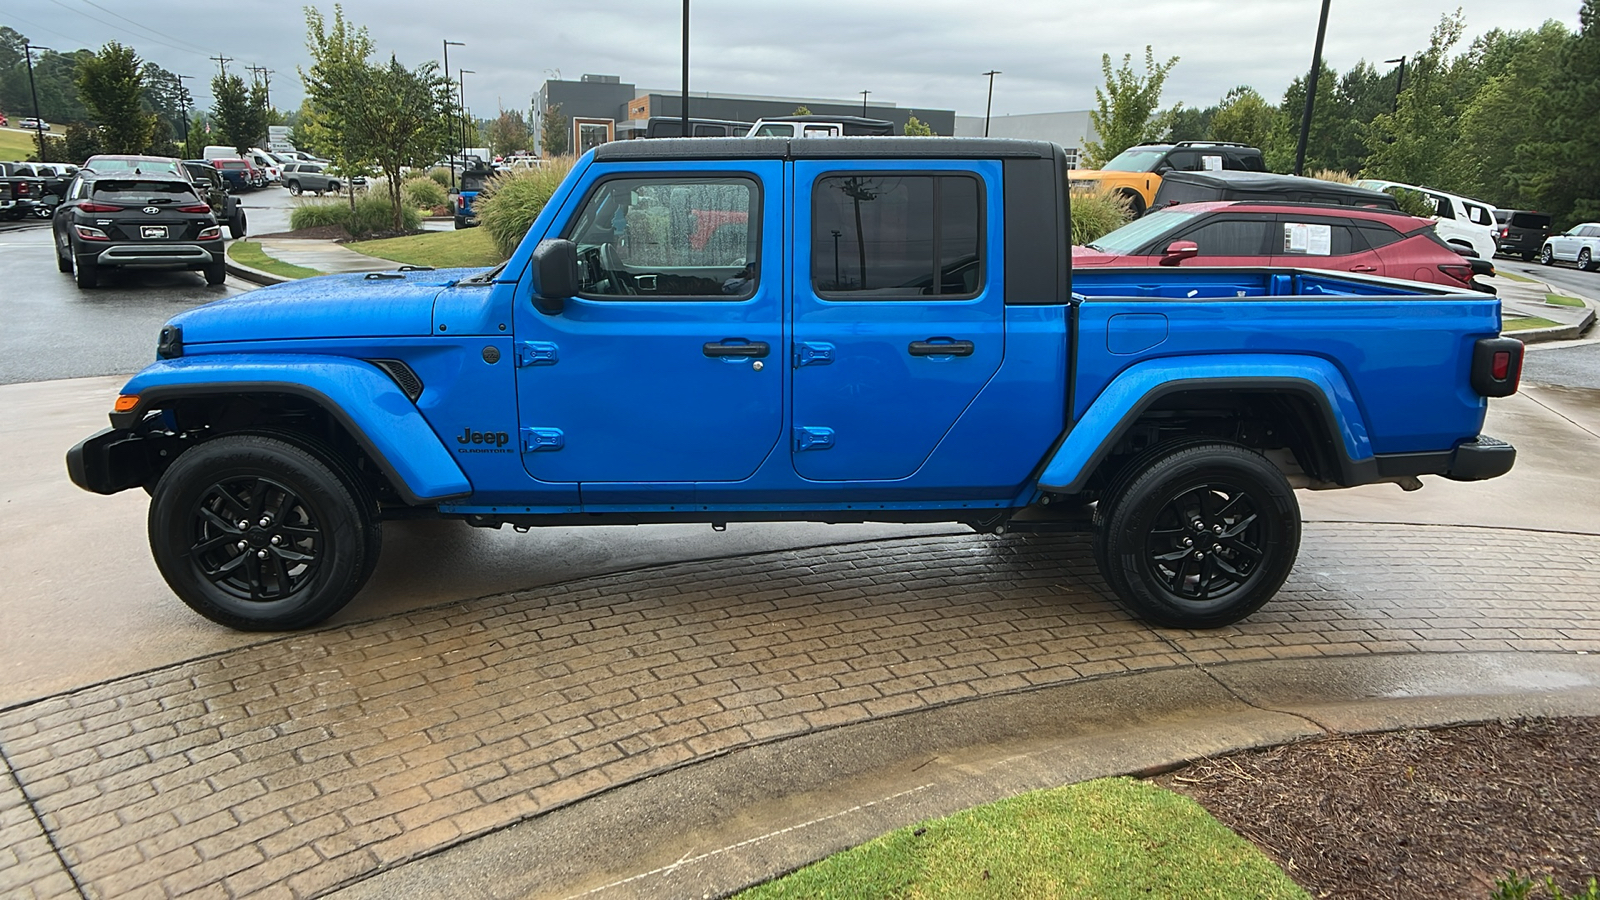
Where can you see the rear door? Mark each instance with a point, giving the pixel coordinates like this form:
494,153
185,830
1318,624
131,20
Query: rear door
1324,242
898,310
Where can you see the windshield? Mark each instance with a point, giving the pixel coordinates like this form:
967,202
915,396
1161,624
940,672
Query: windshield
1135,159
1139,232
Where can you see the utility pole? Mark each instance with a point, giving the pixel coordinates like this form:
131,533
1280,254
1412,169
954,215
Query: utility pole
1311,93
222,63
183,97
38,121
447,46
990,104
864,103
685,68
263,76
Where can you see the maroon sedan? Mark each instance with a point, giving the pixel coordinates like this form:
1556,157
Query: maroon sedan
1244,233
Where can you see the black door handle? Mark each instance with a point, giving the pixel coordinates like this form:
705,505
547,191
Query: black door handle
756,349
940,347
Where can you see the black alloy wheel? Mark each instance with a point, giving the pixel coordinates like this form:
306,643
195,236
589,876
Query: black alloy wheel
258,534
1201,537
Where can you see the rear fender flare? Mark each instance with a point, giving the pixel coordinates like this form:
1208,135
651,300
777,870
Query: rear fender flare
364,400
1090,439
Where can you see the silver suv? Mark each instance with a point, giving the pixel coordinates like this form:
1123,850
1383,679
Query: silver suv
1581,245
299,177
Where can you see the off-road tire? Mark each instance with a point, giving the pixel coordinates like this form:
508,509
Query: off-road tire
237,224
327,544
1248,535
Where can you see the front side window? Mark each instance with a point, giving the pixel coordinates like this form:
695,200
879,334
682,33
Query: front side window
648,238
889,236
1230,237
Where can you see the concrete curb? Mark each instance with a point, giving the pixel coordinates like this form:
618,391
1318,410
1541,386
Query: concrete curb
713,827
1567,332
254,276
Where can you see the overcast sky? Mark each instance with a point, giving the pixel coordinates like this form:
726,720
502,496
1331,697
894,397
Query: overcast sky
913,53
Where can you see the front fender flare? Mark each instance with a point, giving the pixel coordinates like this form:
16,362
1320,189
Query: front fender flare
364,400
1134,390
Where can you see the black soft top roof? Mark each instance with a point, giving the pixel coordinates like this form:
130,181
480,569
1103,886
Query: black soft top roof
1267,181
864,147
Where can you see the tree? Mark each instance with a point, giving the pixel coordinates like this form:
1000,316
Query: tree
338,60
111,84
801,111
1326,120
1561,170
1244,117
82,142
1125,112
508,133
1502,128
915,127
1413,143
239,111
1190,123
553,132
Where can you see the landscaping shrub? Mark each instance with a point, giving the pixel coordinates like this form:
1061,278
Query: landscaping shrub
1096,213
441,175
1333,175
372,214
423,193
508,204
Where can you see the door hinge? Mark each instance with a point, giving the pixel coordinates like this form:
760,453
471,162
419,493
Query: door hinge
536,440
537,353
811,437
812,353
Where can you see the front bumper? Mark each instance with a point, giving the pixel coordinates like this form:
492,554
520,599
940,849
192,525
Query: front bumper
112,460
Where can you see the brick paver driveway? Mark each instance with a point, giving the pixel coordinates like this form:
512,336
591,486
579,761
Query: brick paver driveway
295,766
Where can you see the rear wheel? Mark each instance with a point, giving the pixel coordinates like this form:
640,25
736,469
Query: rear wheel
1201,537
88,273
259,535
216,273
63,257
237,224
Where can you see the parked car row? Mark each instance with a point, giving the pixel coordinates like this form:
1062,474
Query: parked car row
32,189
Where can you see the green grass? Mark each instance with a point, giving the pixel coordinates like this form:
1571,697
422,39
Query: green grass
249,253
1512,275
1107,839
1561,300
18,146
1525,324
469,247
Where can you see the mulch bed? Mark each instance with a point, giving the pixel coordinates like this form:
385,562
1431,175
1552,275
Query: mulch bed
1417,814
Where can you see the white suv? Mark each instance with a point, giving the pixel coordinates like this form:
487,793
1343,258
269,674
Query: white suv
1581,245
1462,221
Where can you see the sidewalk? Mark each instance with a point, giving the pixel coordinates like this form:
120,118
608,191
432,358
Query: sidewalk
1520,298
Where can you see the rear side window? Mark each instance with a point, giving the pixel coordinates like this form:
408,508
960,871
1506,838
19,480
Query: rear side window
892,236
1378,235
1317,239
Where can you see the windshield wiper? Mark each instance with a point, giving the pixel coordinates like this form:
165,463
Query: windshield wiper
487,277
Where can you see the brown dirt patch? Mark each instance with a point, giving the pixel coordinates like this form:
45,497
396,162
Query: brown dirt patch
319,233
1417,814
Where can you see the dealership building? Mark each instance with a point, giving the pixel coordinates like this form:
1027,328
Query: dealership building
602,108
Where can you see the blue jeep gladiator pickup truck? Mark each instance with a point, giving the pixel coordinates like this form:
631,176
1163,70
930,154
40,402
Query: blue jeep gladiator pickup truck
833,330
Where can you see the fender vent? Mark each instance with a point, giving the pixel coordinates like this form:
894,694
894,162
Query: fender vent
406,379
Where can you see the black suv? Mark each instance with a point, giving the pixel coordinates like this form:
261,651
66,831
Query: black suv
1521,232
1202,187
214,189
125,219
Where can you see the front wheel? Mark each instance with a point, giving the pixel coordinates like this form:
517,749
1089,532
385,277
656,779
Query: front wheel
1585,260
1547,256
259,535
1202,537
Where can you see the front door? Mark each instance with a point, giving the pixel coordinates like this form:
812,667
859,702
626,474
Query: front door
666,368
899,316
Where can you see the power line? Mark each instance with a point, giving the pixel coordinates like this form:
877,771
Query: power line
116,26
135,24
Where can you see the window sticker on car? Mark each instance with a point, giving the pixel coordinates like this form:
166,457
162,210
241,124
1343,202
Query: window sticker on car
1312,240
1211,163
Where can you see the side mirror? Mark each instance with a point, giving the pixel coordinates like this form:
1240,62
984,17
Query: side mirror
1178,251
555,275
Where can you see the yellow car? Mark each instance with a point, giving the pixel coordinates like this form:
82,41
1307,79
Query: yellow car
1136,172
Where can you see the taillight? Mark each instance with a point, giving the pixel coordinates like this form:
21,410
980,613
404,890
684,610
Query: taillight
209,234
87,206
461,202
1496,366
195,208
1505,231
23,188
1461,272
91,234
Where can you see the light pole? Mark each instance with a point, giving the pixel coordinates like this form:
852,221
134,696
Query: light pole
864,103
38,122
1311,93
990,104
1401,84
183,98
685,68
447,46
461,76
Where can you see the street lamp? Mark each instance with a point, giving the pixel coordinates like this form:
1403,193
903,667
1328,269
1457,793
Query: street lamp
447,46
461,79
864,103
990,104
183,98
1311,93
1401,84
38,121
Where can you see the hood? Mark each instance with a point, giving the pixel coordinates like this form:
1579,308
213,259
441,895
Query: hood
1088,174
331,306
